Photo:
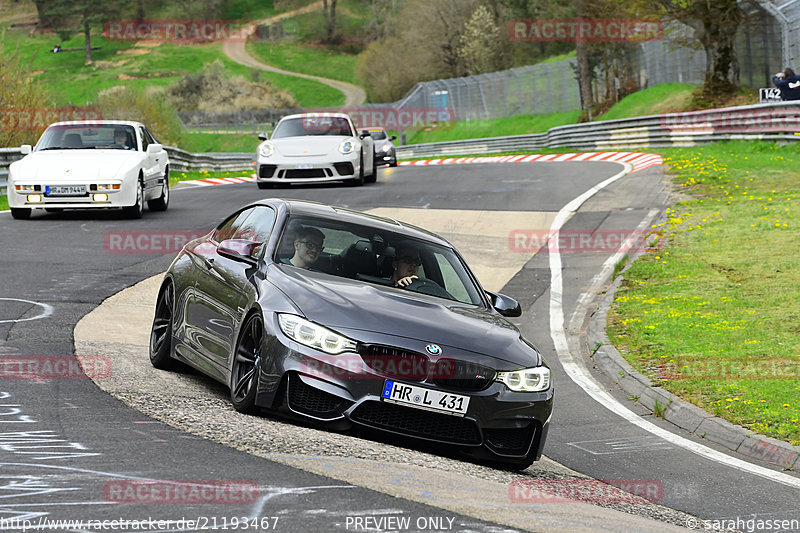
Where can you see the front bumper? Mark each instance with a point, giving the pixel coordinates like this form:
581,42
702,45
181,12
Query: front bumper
41,197
277,169
499,425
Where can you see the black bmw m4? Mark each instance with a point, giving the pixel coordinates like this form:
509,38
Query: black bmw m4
347,319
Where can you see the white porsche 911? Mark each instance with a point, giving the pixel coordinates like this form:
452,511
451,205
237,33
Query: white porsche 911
89,165
315,148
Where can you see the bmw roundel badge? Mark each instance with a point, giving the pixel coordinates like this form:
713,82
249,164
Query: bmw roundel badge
433,349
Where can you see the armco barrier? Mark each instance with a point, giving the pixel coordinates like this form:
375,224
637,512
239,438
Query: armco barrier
778,121
179,160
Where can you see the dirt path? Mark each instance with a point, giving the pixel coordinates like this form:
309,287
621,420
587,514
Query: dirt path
236,51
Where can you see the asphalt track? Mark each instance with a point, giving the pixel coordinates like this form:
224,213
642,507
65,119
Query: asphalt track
66,440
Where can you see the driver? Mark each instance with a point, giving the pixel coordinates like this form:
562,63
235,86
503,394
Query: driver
121,139
405,266
308,244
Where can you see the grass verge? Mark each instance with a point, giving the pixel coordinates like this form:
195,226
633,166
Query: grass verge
477,129
710,312
3,202
176,177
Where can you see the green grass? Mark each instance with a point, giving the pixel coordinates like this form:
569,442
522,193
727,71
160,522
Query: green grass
3,202
663,98
477,129
212,142
176,177
122,63
306,59
721,286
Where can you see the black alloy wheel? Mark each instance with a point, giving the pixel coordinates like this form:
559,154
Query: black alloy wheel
246,362
161,332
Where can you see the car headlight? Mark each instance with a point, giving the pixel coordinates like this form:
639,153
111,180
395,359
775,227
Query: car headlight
385,148
535,379
347,147
314,335
266,149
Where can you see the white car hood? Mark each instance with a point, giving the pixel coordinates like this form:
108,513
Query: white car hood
309,145
66,165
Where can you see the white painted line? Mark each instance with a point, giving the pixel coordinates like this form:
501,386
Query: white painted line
577,372
47,310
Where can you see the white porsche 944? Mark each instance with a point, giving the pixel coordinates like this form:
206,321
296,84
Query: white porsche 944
89,165
315,148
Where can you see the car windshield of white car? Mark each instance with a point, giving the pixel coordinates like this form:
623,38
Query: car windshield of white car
313,125
375,255
378,135
87,137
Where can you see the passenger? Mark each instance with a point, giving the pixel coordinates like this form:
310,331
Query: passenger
308,245
405,266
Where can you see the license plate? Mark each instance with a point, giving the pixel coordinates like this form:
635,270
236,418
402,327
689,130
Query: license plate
65,190
304,167
432,400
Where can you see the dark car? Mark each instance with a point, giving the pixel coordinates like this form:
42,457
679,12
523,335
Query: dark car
385,153
339,343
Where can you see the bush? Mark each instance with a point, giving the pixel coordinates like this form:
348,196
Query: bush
146,106
213,89
20,96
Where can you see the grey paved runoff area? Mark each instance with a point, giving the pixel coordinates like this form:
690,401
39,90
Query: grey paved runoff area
67,438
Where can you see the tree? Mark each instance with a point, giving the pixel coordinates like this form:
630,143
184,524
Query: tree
66,16
329,10
715,23
481,47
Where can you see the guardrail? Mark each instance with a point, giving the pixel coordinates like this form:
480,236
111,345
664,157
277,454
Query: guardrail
776,121
179,160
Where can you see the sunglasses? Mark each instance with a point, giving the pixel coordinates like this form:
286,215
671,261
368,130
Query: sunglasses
313,246
416,261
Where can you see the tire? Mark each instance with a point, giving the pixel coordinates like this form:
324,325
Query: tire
135,211
161,332
372,178
359,181
245,366
21,213
162,203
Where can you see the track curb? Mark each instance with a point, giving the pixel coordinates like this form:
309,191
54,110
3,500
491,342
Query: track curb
677,411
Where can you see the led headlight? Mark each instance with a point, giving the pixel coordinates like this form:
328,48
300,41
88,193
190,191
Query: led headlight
535,379
386,148
347,147
266,149
314,335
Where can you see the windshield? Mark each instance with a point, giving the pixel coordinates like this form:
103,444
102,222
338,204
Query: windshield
313,125
375,256
378,135
88,136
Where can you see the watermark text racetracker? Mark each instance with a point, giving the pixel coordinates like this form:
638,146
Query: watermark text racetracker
38,118
47,367
148,242
387,117
181,492
585,30
179,31
586,490
579,240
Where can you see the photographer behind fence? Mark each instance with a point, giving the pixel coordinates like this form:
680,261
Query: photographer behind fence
788,83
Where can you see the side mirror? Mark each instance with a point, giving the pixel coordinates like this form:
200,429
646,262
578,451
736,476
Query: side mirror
25,149
393,138
154,148
263,136
505,305
363,135
238,249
